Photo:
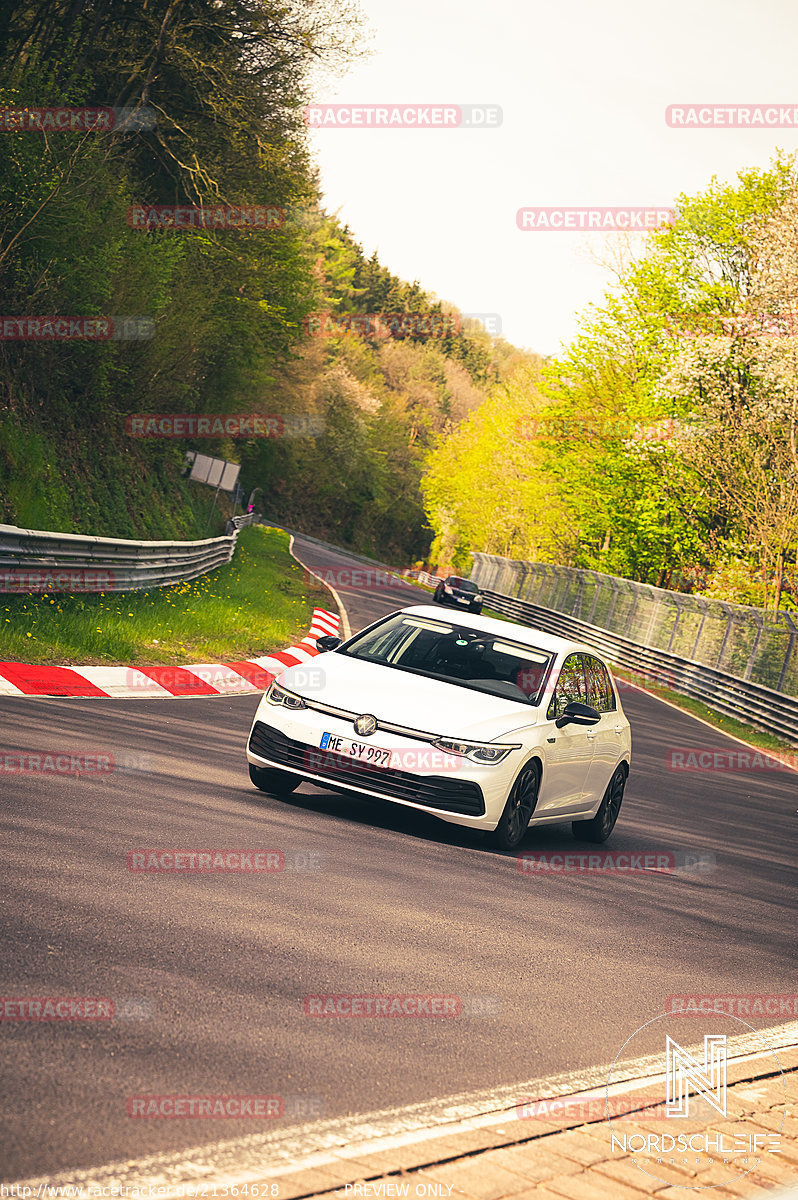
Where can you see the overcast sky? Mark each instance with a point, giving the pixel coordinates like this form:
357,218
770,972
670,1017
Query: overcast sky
583,88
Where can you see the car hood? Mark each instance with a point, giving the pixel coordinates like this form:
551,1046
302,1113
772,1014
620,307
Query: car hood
402,698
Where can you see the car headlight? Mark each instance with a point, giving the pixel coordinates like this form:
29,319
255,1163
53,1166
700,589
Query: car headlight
447,589
279,695
481,752
478,599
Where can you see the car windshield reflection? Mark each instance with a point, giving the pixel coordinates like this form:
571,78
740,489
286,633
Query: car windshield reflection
458,654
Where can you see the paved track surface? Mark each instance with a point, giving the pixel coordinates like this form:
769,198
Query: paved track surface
399,903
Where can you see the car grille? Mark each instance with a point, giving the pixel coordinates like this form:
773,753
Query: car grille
433,791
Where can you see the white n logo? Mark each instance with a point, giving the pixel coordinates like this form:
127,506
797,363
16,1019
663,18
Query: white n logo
708,1080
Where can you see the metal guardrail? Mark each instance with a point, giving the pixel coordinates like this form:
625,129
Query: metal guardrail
740,699
35,560
738,640
427,579
236,523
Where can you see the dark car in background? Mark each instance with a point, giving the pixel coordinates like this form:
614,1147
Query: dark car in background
461,593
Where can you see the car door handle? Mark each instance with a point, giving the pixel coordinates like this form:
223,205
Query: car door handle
619,728
591,737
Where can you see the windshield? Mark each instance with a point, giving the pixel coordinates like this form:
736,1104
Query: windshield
469,658
465,585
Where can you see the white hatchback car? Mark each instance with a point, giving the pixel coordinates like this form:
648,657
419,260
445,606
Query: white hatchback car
481,722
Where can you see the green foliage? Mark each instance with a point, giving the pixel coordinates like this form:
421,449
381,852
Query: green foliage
226,81
609,477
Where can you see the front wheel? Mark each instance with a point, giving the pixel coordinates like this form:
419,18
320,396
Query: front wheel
273,780
436,595
518,810
601,826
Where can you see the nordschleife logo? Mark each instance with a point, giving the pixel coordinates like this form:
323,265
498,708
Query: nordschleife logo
688,1117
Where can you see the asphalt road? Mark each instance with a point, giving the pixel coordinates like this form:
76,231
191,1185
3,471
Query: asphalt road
214,968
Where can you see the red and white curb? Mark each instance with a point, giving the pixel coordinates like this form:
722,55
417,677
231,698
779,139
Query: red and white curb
198,679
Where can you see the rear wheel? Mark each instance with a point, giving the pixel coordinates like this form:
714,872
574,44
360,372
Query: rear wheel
601,826
518,810
271,779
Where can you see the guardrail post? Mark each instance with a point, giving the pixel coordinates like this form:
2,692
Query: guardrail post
702,604
678,608
749,666
597,585
615,593
789,651
727,631
655,607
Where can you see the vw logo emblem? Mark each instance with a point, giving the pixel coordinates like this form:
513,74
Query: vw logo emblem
365,725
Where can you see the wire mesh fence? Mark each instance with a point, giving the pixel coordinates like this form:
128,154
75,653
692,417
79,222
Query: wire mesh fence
749,643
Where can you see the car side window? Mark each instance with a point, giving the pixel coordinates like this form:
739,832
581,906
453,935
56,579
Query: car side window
599,685
571,685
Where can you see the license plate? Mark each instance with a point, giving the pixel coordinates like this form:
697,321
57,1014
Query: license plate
462,599
359,751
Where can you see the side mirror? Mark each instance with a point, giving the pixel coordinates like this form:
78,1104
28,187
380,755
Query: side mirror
577,713
328,642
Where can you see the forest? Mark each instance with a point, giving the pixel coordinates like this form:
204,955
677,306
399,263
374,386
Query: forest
661,445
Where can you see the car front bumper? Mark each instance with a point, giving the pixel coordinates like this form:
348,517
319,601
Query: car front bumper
462,793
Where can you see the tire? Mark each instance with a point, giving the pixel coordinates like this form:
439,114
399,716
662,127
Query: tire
476,608
518,810
436,595
599,828
273,780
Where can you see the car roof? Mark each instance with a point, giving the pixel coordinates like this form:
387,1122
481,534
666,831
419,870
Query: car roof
520,633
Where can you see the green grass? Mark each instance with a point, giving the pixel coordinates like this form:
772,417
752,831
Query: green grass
261,601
